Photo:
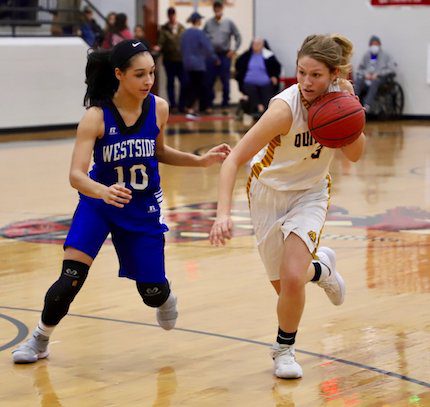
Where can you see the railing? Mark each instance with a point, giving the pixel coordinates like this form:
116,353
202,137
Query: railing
32,15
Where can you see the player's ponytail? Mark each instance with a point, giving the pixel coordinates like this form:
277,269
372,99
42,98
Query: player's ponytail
347,49
100,79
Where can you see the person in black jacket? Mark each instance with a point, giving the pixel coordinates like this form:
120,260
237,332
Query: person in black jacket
257,72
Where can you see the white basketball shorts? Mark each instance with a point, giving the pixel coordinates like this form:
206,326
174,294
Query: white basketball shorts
276,214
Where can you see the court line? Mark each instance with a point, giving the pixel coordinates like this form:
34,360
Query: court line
22,332
233,338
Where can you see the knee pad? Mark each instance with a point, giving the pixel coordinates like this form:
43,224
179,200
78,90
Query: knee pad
61,294
154,294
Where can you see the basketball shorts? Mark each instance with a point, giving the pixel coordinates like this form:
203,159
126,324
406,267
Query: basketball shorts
276,214
141,256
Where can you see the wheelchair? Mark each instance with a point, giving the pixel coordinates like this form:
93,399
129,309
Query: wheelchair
389,101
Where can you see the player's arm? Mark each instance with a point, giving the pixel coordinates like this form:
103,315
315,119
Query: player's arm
275,121
90,128
354,150
171,156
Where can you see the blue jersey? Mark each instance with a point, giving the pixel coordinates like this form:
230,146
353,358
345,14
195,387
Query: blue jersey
126,156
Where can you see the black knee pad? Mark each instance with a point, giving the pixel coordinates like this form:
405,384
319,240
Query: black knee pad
154,294
63,291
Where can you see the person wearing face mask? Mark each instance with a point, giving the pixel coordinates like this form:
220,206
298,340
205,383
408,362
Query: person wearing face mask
373,70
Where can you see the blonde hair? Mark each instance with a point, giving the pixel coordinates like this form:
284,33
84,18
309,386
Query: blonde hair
333,50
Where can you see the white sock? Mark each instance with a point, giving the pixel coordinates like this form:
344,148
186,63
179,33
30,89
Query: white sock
169,302
43,329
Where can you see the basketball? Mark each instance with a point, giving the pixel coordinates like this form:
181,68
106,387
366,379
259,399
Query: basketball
336,119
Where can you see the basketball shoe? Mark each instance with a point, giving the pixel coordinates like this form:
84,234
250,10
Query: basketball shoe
167,314
285,365
333,283
35,348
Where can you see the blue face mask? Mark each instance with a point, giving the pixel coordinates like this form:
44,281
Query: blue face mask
374,49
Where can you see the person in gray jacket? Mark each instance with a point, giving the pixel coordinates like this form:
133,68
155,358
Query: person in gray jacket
220,31
372,72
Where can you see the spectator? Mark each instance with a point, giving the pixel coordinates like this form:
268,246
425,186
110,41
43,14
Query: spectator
91,32
110,22
139,34
66,19
373,70
196,49
118,32
220,30
169,45
108,29
257,73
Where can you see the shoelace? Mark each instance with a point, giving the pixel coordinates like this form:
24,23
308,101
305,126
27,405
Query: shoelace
288,352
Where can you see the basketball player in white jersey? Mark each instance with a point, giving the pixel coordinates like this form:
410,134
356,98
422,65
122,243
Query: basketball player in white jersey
289,188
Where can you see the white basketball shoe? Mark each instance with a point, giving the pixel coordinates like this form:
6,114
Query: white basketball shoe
285,365
333,284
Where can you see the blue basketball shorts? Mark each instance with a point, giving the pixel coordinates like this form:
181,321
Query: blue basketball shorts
141,256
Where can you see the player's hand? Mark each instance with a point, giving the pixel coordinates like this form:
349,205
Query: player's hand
215,155
116,195
221,230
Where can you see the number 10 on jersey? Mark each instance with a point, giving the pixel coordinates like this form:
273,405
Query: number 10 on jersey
134,170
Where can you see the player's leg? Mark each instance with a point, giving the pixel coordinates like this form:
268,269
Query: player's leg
307,221
292,280
141,258
87,233
295,236
371,93
268,214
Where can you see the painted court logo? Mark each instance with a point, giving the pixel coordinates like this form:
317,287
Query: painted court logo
193,222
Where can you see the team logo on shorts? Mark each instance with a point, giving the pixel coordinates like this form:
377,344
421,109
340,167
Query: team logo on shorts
312,235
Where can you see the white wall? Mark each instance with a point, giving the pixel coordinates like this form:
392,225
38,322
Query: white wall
404,31
41,81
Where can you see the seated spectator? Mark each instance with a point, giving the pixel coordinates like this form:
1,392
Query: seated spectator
91,32
372,72
257,73
118,32
196,49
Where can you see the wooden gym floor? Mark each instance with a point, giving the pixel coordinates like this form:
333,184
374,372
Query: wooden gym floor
372,351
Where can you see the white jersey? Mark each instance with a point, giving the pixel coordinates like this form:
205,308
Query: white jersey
293,161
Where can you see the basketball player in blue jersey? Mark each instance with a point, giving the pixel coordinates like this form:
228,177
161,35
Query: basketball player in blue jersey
123,128
289,190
